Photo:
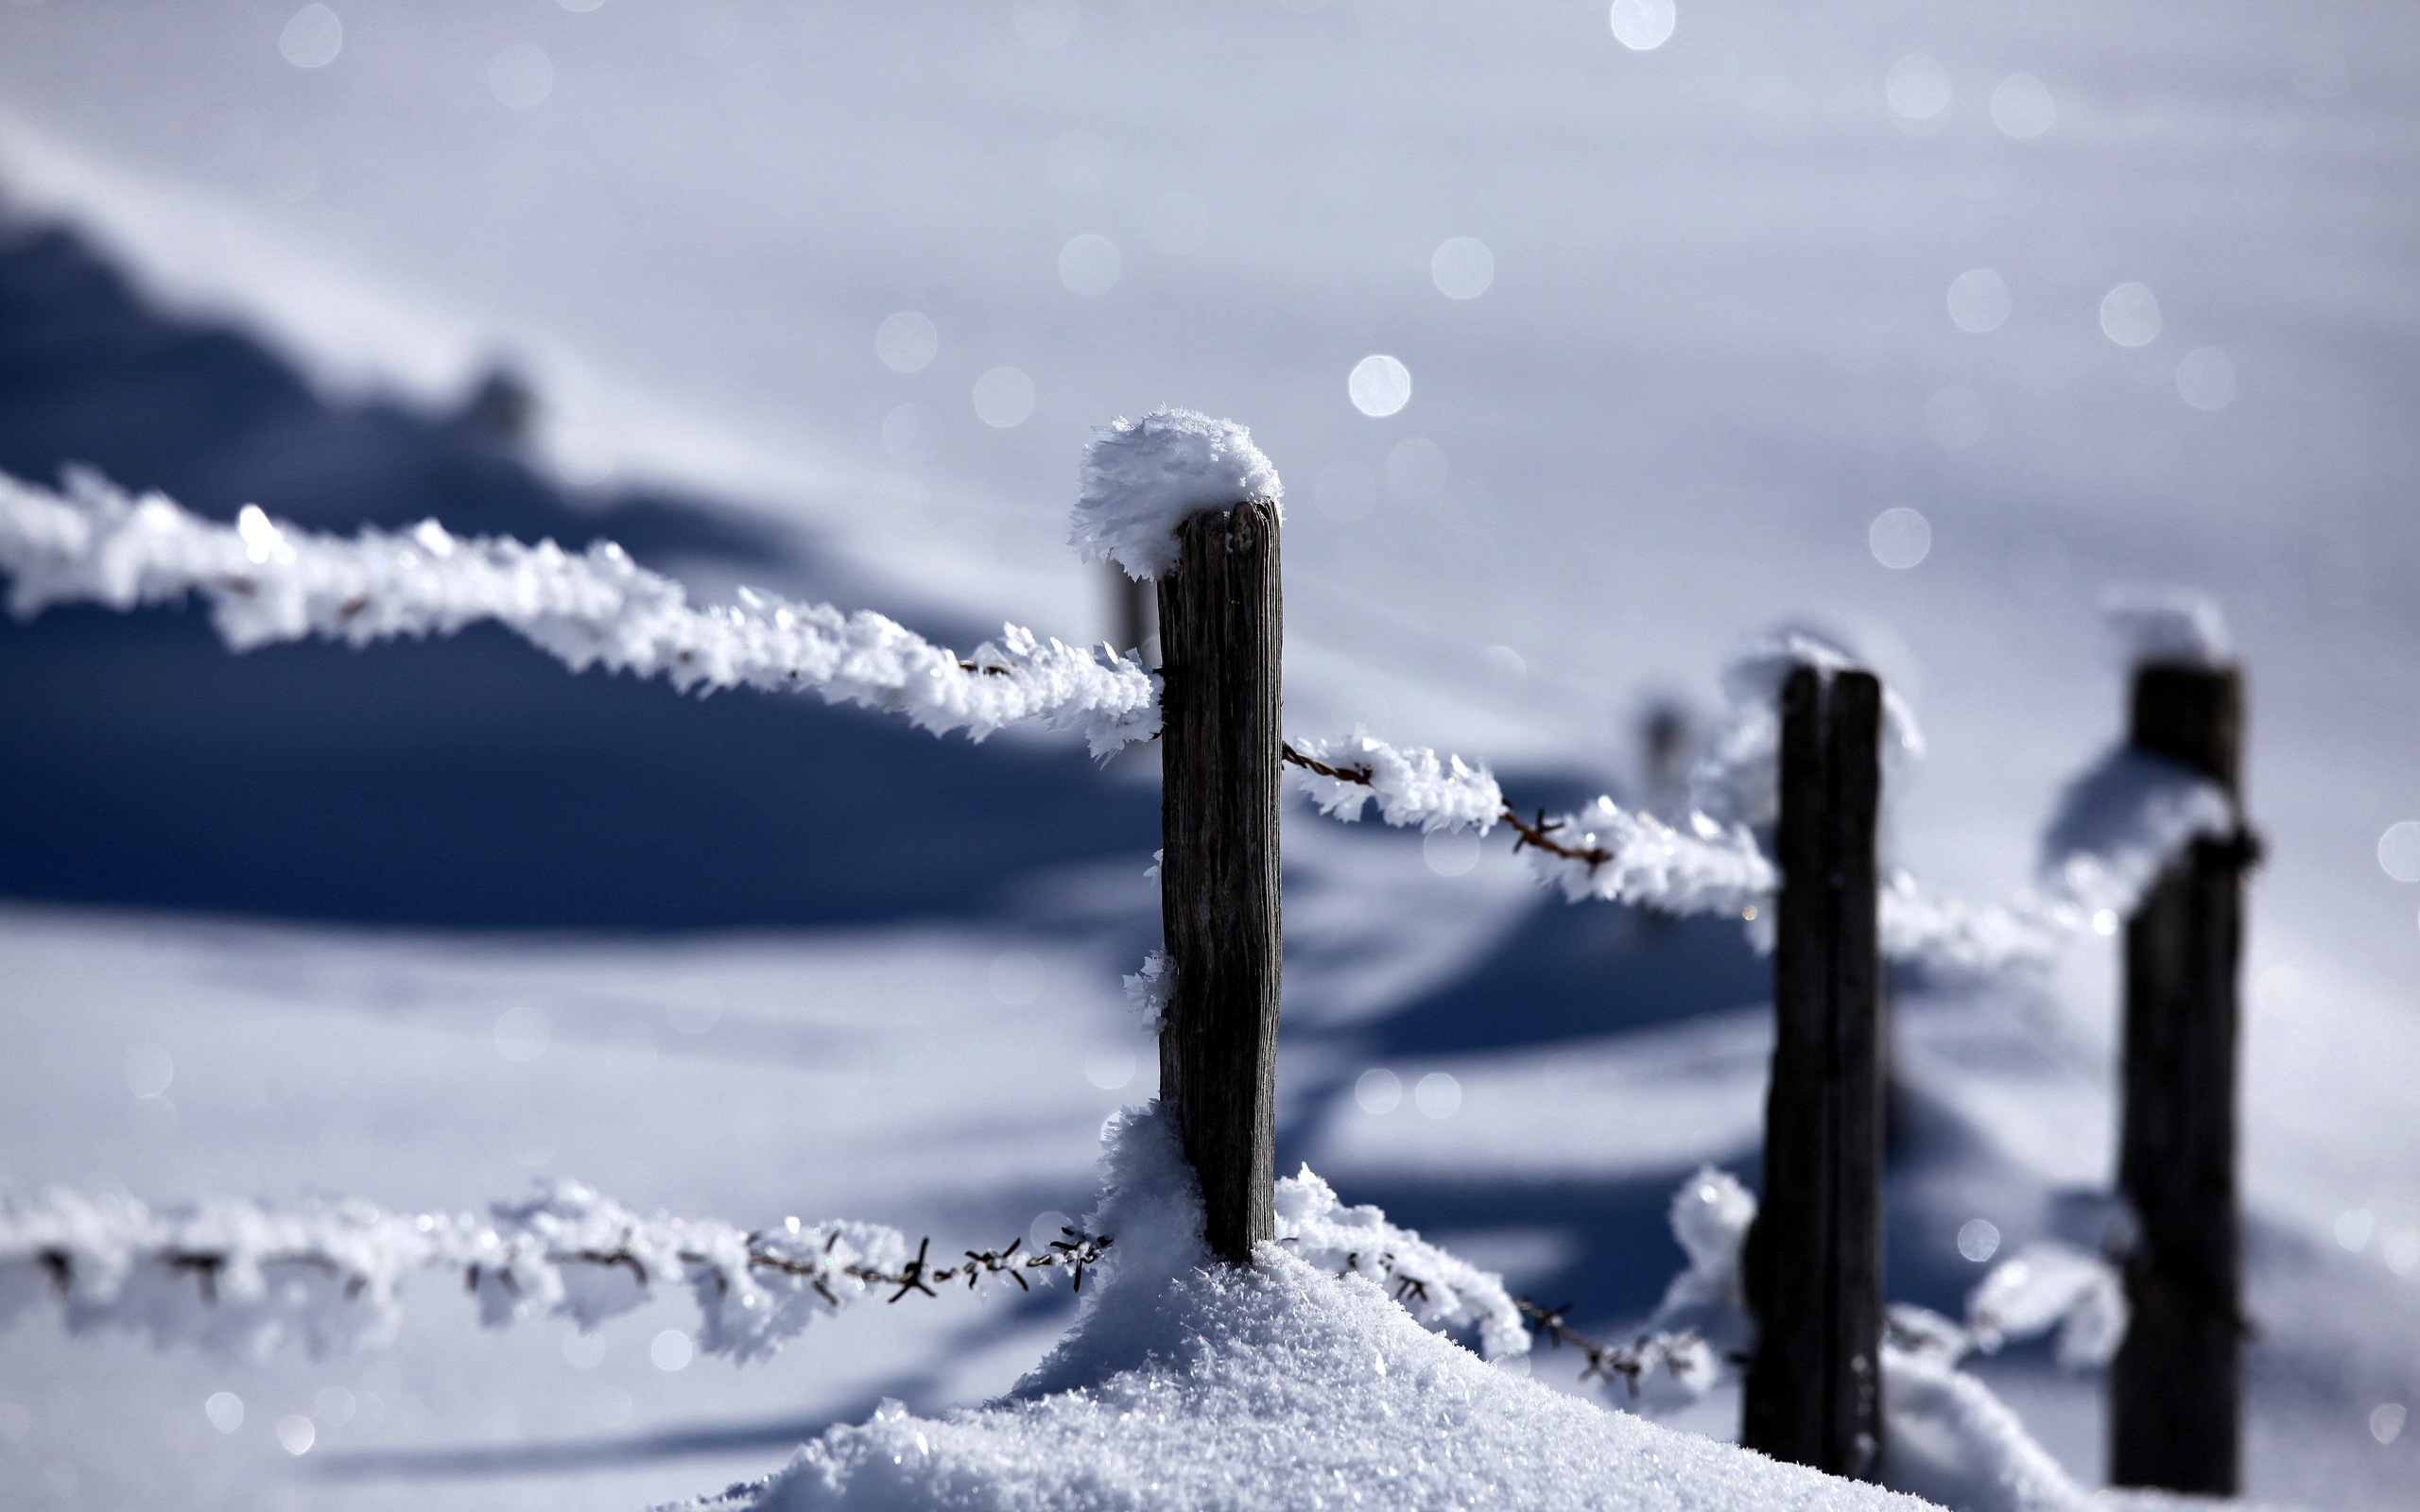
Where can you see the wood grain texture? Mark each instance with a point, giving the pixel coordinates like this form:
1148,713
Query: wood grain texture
1813,1262
2175,1387
1221,639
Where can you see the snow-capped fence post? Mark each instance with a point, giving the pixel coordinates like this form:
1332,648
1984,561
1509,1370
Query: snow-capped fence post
2174,1387
1813,1262
1221,634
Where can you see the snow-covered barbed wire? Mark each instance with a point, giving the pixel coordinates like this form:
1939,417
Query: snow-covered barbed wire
244,1276
1413,788
1604,851
266,582
1438,1288
2044,1286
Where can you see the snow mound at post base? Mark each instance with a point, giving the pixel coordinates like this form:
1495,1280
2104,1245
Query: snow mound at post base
1142,478
1187,1384
1290,1388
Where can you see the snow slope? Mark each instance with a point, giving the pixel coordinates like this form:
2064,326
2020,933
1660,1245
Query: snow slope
1720,339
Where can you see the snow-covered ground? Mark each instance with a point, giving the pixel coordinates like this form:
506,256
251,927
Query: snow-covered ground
1727,327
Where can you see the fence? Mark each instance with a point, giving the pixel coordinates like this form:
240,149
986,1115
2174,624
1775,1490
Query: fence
1193,505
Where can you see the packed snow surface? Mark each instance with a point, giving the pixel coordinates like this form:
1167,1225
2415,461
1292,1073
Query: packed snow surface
1143,478
266,583
1186,1384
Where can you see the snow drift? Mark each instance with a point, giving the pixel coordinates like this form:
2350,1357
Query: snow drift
1186,1384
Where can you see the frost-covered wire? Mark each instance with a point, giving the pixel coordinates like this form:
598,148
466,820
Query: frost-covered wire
1438,1288
1413,788
1603,851
266,582
243,1277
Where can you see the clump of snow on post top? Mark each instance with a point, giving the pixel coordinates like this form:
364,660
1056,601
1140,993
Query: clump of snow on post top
2174,625
1143,478
2122,821
1737,781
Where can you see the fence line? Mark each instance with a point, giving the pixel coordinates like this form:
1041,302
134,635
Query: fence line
268,583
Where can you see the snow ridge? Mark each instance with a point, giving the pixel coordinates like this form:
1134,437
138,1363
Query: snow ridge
1281,1385
1142,478
268,583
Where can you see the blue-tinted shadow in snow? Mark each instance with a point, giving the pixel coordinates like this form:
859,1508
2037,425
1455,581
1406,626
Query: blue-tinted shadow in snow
463,782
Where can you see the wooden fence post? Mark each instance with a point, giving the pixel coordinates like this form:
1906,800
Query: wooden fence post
2175,1388
1813,1265
1221,632
1134,614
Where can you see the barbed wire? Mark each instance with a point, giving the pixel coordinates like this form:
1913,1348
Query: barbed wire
1534,834
1075,1253
1678,1353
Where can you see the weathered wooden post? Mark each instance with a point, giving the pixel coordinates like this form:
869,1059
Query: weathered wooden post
1133,615
1221,632
1813,1266
2174,1389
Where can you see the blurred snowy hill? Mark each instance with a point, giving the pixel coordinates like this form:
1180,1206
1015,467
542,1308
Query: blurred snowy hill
2101,292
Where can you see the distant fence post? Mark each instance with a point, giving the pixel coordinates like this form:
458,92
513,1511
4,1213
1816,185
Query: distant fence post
1221,632
1813,1267
2174,1387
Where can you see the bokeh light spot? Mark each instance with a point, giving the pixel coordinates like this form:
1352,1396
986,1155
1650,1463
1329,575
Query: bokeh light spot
1089,265
907,341
1978,302
2130,314
1379,386
2205,378
1463,267
1438,1095
312,38
1002,398
2399,851
1899,538
1643,26
2022,106
521,77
